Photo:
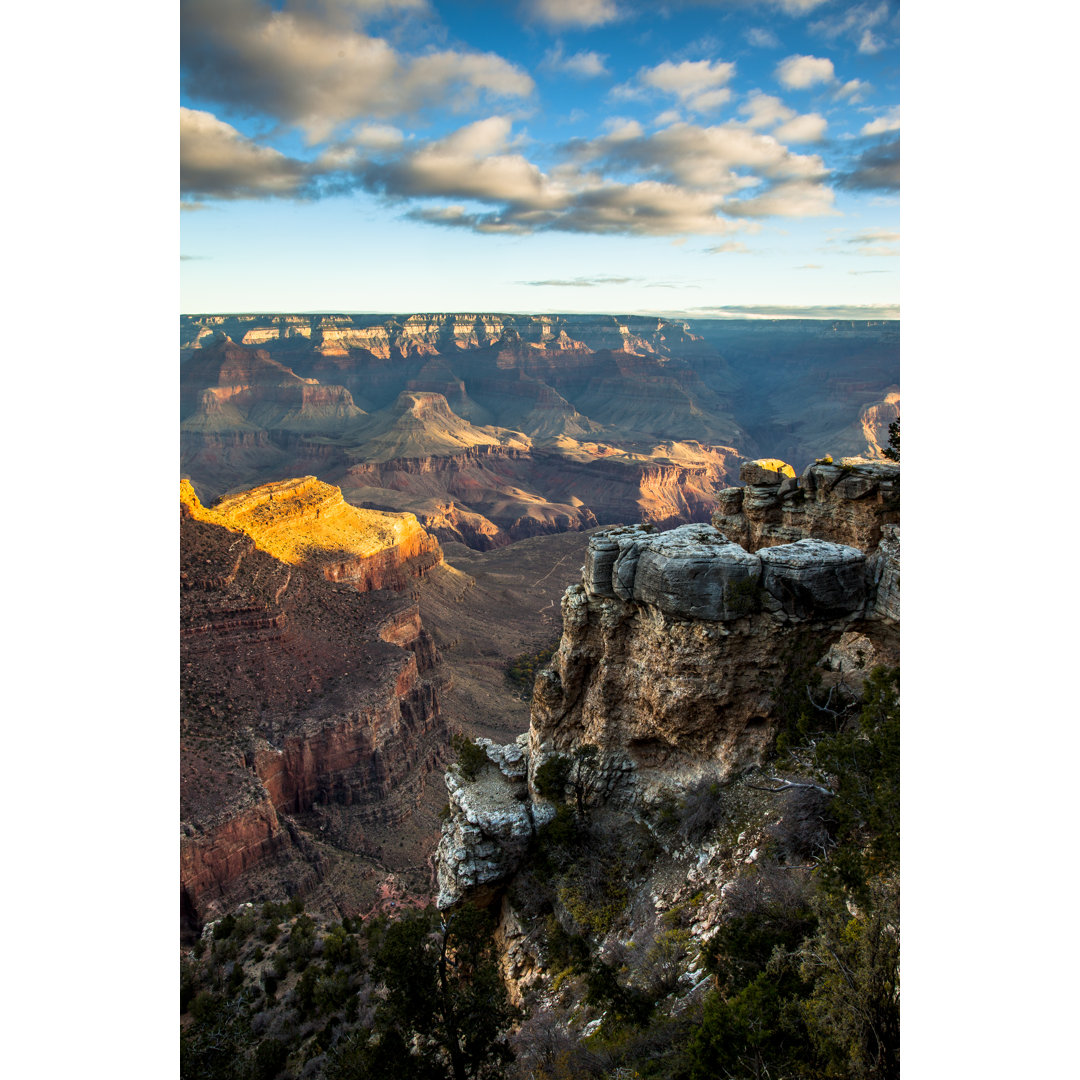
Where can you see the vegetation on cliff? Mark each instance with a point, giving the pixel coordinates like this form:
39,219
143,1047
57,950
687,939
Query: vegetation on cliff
272,992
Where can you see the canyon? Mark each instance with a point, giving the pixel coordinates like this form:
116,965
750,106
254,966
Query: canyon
383,517
492,428
674,647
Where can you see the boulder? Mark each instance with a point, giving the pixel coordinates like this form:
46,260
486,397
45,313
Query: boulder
604,548
813,579
694,571
765,471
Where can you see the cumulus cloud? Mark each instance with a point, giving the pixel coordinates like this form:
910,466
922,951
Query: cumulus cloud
307,65
764,110
795,198
802,129
217,161
705,158
698,84
801,72
883,124
583,13
876,169
378,136
585,65
682,181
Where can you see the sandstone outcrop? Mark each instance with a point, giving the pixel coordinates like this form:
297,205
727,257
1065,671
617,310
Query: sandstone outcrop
306,522
847,503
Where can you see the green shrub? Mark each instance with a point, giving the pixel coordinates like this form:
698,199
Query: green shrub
470,757
745,597
225,928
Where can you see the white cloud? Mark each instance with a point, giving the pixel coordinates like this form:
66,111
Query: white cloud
705,158
882,124
377,136
217,161
734,247
306,65
764,110
585,65
797,198
583,13
853,90
801,72
668,116
698,84
688,78
762,38
683,179
802,129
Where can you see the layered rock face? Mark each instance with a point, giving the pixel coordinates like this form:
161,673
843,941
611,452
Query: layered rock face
297,689
305,521
849,503
675,646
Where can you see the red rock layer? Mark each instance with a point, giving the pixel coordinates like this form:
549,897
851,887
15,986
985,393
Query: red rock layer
295,690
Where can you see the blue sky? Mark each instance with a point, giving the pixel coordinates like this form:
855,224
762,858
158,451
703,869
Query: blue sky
694,157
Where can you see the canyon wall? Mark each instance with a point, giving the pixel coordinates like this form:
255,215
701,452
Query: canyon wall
305,681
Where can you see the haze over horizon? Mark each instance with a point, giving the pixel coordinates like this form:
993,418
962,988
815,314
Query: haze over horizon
734,158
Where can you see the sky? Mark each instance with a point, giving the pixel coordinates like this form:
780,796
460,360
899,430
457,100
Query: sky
694,157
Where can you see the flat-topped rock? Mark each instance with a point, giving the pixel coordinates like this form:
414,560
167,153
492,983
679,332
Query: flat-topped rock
765,471
693,572
813,578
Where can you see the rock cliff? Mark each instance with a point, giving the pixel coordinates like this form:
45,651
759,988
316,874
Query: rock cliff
303,685
848,503
306,522
674,650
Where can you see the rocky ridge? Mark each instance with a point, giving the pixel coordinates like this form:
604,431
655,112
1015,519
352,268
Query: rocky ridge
306,522
674,646
849,503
